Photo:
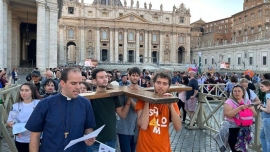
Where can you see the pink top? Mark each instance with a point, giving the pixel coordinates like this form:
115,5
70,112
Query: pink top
182,96
231,103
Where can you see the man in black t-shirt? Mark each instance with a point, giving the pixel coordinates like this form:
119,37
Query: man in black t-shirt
192,95
104,111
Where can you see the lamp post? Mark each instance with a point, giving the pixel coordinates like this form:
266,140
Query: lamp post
200,62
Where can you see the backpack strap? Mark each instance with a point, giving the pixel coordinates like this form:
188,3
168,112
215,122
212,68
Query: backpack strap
248,92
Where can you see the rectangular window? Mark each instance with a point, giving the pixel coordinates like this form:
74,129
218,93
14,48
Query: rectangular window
182,20
90,13
213,60
239,60
120,14
205,61
264,60
141,46
229,60
250,60
70,10
120,45
104,14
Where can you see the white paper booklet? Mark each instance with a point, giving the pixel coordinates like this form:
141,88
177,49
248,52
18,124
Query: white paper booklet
18,128
91,135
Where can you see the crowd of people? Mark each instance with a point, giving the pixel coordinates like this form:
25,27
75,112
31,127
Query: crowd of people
55,113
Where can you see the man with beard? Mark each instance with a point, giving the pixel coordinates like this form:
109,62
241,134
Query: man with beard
127,127
153,119
104,111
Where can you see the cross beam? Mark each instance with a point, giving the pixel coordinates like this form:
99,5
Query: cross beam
146,94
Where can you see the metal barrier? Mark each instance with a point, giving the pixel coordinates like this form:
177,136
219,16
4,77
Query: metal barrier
216,94
9,96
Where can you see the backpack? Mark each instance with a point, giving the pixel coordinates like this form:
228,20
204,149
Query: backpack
244,118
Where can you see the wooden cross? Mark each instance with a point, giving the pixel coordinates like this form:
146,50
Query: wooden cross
144,94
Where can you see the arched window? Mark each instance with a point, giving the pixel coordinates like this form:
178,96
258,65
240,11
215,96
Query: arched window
89,34
130,36
181,39
104,35
141,37
70,33
154,37
120,36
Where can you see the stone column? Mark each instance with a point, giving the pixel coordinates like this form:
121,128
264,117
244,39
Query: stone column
62,60
145,59
15,34
116,46
173,52
161,51
187,49
41,35
125,45
98,43
150,46
47,36
53,34
5,36
18,41
9,33
111,45
82,48
1,35
137,46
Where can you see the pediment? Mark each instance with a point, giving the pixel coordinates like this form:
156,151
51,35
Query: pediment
132,17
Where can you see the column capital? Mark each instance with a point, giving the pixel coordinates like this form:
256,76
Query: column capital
125,29
61,26
116,29
53,7
81,27
137,30
97,28
40,3
111,28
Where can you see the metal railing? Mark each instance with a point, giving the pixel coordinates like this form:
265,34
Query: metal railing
9,96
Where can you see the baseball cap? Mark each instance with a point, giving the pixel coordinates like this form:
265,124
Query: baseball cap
35,72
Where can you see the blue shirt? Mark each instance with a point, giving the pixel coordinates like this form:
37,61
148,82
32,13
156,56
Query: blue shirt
176,79
47,117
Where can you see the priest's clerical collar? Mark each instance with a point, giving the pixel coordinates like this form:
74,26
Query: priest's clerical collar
68,98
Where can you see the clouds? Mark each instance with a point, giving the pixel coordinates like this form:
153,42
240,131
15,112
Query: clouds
208,10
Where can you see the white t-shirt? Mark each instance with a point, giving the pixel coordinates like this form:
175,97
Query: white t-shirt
24,111
252,95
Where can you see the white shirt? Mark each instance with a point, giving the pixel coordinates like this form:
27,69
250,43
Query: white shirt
201,80
24,111
252,95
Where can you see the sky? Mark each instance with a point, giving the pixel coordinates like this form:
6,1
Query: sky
208,10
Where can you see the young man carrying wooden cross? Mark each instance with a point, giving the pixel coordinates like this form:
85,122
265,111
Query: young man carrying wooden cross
154,119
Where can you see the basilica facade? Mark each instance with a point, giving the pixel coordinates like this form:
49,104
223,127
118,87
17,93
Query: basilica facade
111,31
